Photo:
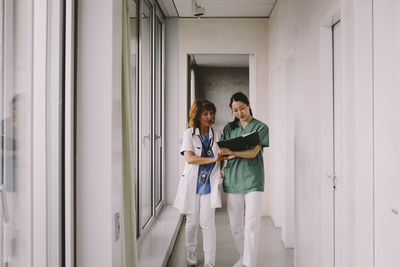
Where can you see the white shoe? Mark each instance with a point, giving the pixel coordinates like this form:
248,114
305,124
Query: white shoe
191,258
210,265
239,263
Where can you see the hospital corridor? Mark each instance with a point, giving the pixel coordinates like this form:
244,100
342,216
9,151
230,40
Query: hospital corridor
114,115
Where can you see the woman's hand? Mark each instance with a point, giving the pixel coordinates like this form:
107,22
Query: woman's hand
248,154
218,157
225,151
191,158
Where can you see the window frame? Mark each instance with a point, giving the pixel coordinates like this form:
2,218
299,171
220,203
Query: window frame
142,229
160,17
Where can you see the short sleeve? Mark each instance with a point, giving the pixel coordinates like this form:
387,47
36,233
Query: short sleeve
225,134
187,144
263,133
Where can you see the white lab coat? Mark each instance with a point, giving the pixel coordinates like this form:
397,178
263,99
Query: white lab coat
186,195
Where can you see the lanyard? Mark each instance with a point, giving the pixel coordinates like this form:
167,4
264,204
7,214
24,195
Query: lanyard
210,143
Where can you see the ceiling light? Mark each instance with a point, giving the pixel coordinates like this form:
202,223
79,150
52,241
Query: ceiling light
197,10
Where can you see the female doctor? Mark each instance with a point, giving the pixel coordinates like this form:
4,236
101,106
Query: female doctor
199,191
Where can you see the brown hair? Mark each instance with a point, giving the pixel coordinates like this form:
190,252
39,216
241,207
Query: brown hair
199,105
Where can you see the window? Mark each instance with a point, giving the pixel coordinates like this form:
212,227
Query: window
145,116
16,131
134,49
30,132
158,111
147,85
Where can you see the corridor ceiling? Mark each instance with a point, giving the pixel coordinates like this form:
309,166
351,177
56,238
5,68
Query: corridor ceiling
225,60
219,8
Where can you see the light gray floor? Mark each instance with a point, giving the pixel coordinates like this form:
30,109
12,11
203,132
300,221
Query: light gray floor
271,252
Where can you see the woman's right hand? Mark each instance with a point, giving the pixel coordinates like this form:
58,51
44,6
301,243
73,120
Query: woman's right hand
218,157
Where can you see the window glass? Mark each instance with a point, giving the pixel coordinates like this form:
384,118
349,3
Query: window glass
15,129
134,94
145,113
158,113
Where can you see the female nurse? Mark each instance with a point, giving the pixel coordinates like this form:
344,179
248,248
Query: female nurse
199,191
244,180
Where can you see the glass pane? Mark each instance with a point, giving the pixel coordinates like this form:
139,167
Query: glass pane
157,113
134,52
1,116
15,129
134,94
145,116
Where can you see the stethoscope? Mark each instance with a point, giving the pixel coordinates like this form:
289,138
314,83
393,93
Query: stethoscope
210,144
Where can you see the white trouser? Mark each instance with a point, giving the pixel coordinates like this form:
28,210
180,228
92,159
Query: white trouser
205,216
244,217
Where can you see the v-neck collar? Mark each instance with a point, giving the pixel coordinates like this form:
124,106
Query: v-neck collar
240,125
205,137
210,132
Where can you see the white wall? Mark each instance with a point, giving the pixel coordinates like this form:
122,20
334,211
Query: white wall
172,143
386,132
297,26
225,36
361,229
294,26
98,132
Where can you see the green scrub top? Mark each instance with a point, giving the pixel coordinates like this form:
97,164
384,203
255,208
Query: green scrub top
242,175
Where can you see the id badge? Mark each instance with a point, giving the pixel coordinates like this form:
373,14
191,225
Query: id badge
203,177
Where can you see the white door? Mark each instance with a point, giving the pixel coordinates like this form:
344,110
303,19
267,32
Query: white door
387,132
331,133
337,146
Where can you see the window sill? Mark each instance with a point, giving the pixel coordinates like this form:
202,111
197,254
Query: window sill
157,245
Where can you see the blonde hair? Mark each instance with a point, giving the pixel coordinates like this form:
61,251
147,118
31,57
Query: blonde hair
198,106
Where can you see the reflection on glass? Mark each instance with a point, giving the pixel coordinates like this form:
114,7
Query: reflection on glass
145,119
157,114
3,207
15,132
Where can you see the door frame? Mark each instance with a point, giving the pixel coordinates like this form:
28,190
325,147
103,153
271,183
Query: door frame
289,154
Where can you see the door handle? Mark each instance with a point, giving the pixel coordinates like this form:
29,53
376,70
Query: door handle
146,137
331,176
396,211
4,203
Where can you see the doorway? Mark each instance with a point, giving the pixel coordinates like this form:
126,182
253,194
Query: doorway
216,78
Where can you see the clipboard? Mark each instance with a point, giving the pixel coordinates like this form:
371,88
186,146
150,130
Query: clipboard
244,142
